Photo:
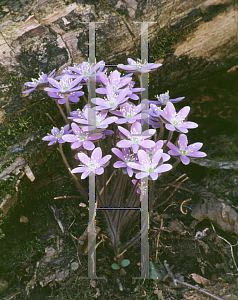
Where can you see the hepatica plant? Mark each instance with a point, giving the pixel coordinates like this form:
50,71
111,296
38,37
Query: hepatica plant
117,137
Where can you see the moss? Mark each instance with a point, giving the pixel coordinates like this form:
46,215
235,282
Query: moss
161,46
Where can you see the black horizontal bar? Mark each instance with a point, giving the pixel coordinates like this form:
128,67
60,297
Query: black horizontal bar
122,208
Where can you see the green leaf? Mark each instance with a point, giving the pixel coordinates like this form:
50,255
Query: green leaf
125,262
115,266
157,272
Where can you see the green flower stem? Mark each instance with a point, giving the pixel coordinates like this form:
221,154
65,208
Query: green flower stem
60,149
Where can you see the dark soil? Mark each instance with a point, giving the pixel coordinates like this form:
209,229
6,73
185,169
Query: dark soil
28,261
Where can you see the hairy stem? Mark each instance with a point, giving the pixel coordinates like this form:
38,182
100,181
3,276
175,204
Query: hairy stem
62,112
109,220
168,138
85,99
108,181
161,132
115,188
67,104
60,149
151,189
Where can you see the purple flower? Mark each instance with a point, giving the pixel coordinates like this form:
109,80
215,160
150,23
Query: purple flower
65,72
42,80
154,111
93,164
147,167
163,99
183,150
136,138
78,113
114,80
175,121
56,135
140,190
126,156
100,121
154,116
66,85
130,113
138,66
133,90
113,100
72,97
81,138
153,150
87,71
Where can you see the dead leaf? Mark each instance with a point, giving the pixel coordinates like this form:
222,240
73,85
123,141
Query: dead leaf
97,293
108,272
5,9
122,272
83,240
159,293
204,245
50,252
200,280
29,173
66,22
221,214
7,202
177,226
93,283
193,297
74,266
23,219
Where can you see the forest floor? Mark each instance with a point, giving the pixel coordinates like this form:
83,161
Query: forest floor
40,261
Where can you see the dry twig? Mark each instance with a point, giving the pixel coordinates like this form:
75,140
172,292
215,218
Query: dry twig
181,206
56,215
176,281
71,279
231,246
157,243
66,197
170,194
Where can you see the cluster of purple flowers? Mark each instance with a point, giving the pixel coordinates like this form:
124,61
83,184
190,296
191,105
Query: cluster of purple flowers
141,153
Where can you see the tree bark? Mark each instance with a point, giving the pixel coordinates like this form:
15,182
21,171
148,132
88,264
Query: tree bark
196,41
